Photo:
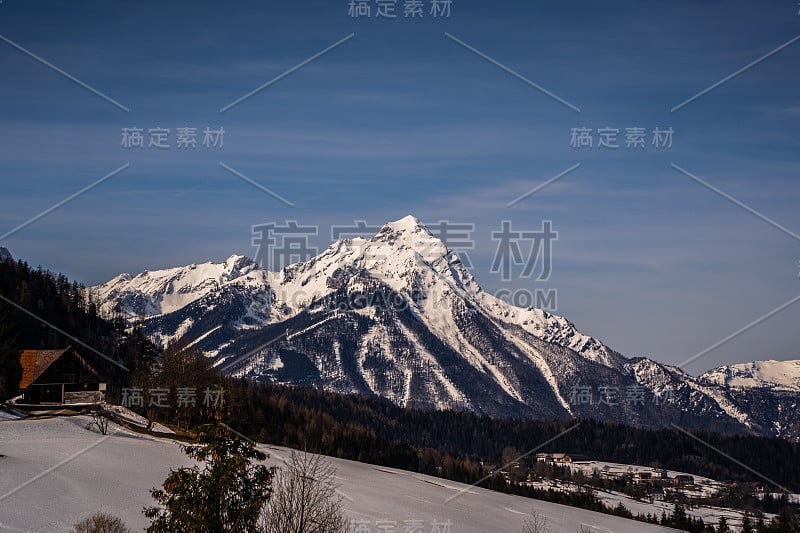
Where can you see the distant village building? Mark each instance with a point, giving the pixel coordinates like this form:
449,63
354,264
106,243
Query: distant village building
684,479
644,476
561,458
661,473
576,458
59,377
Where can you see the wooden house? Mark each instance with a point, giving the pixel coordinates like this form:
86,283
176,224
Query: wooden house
59,377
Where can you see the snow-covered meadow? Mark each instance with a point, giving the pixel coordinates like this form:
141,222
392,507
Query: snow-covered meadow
55,471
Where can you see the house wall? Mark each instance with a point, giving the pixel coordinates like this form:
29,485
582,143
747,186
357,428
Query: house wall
67,375
43,394
70,372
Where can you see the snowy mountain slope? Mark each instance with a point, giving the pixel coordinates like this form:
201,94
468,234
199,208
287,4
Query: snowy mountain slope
115,474
398,316
404,255
776,375
165,291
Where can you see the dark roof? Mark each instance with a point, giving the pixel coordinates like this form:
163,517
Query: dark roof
35,362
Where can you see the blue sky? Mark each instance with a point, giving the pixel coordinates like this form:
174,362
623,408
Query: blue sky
401,119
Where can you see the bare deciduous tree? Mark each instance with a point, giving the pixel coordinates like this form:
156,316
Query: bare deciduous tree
536,523
100,420
304,498
100,523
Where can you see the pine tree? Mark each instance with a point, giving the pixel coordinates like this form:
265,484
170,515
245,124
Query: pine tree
786,521
679,516
722,526
747,524
226,495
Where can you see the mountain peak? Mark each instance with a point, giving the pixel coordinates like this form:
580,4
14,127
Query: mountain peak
408,222
410,234
238,261
5,255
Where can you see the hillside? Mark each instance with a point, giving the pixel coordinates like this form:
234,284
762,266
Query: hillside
115,473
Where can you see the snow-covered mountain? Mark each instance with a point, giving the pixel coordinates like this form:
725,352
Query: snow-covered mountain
398,316
164,291
776,375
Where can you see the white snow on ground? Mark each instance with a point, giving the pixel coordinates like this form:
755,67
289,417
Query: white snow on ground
9,415
610,498
87,472
702,487
618,469
794,498
135,419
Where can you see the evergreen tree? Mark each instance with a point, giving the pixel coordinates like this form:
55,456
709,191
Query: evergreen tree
722,526
621,510
10,369
223,494
785,522
747,524
679,516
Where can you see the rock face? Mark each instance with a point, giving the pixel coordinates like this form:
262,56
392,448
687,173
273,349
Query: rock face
5,255
397,316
